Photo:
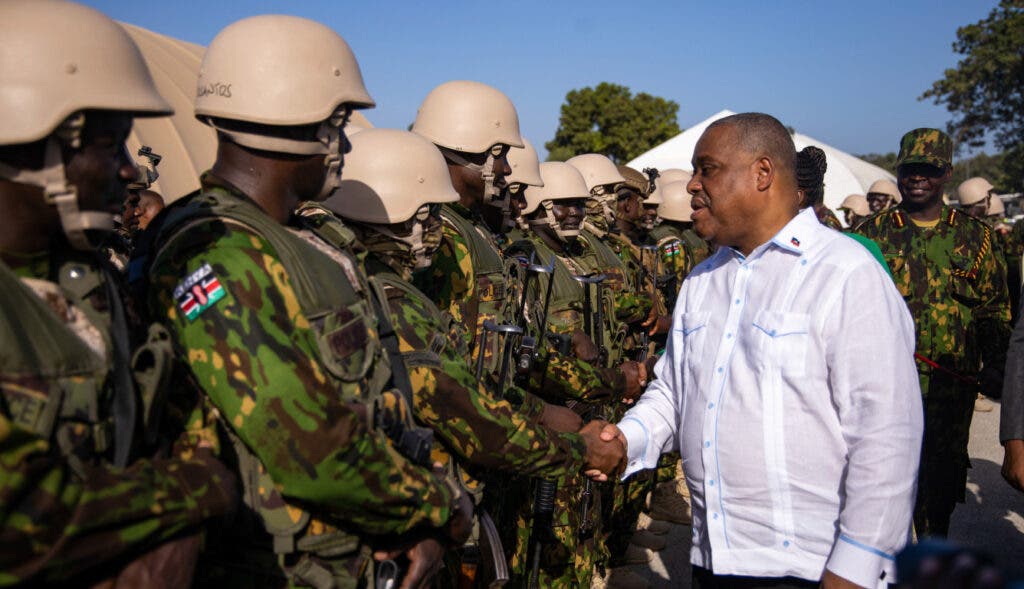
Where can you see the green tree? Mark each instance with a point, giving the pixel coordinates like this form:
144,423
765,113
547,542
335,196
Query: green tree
983,92
886,161
611,120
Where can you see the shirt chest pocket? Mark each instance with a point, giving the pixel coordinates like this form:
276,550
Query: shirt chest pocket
780,341
693,330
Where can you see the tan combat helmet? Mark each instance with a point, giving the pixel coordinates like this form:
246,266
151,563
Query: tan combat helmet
462,116
674,175
58,59
973,190
602,178
887,187
389,175
996,208
561,182
675,205
856,204
525,166
282,71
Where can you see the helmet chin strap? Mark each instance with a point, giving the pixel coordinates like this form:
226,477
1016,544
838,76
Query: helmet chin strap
60,193
492,194
328,143
548,219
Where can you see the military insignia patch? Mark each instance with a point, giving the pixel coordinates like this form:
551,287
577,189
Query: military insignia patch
198,292
672,249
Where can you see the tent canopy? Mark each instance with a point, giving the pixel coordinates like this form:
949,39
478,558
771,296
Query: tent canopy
188,147
845,175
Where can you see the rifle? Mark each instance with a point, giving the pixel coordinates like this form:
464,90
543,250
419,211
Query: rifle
645,340
593,326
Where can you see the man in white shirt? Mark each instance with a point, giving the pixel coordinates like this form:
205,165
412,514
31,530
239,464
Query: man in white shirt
788,383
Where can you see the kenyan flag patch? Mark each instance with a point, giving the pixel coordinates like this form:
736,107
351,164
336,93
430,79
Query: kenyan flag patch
198,292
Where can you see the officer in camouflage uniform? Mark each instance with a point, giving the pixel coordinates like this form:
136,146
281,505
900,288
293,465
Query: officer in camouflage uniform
395,183
944,264
276,320
98,470
554,213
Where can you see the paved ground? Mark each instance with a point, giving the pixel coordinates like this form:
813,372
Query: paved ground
992,519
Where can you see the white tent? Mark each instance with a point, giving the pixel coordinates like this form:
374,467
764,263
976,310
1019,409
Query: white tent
845,175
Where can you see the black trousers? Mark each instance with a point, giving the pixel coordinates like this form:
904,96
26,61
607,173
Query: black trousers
705,579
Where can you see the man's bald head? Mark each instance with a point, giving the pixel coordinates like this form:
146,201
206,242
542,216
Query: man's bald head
763,135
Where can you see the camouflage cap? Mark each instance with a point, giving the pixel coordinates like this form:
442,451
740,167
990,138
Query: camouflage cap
926,146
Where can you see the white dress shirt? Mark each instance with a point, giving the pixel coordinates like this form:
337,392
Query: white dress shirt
789,387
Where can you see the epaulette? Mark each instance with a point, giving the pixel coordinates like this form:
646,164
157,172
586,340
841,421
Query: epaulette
899,218
983,250
951,217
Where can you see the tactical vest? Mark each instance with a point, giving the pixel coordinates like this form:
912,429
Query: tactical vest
495,293
339,311
82,398
565,311
600,259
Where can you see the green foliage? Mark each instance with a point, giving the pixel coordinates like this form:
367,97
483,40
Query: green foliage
983,92
885,161
611,120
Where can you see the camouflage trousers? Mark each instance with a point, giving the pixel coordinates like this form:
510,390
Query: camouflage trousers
942,478
570,558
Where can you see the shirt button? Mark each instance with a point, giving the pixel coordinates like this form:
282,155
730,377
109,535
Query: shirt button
803,262
707,444
720,370
728,336
714,516
711,405
737,301
785,544
711,483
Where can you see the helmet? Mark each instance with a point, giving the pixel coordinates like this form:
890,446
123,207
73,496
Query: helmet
469,117
598,171
675,205
561,182
58,59
525,166
389,175
887,187
674,175
996,206
278,70
634,179
856,204
251,73
973,190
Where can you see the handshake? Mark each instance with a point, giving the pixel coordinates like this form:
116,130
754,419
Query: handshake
606,450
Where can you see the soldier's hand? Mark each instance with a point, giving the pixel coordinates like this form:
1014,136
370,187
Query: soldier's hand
560,419
1013,464
609,433
605,454
583,347
425,561
460,526
661,324
636,380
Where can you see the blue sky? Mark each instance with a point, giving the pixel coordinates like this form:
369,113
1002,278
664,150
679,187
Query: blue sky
846,73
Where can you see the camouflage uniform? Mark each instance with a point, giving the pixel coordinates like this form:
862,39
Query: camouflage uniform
68,514
827,218
681,250
276,325
954,284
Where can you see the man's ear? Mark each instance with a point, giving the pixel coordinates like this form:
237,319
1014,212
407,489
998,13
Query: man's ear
764,171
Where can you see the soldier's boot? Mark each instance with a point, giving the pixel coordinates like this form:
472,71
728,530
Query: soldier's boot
670,502
649,540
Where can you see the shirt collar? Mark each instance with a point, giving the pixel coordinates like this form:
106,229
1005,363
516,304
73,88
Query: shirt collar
799,233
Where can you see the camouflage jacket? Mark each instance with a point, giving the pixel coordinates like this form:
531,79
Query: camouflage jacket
827,218
65,509
452,283
479,430
954,284
287,385
597,256
642,268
